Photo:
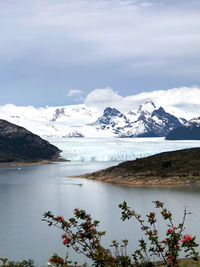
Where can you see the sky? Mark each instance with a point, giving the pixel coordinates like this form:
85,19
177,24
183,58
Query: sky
60,52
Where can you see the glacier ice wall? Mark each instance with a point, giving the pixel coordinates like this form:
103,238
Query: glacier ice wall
115,149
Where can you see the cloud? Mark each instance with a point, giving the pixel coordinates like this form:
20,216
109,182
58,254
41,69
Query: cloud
102,98
76,95
133,34
182,102
74,92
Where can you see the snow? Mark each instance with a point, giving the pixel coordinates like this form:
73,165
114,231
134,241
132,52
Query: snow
115,149
195,121
64,121
158,121
52,121
147,107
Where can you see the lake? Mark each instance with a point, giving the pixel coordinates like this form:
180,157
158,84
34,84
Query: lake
27,192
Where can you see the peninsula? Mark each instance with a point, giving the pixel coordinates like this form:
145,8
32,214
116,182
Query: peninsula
168,168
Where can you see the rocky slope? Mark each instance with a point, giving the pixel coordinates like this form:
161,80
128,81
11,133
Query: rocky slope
168,168
188,131
18,144
147,121
112,120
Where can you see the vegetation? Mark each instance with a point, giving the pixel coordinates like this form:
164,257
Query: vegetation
175,167
81,233
5,263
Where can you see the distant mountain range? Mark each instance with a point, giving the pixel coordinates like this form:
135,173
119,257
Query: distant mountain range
147,121
82,121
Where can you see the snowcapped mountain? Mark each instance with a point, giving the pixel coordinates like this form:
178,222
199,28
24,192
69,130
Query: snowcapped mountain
189,131
62,121
157,123
147,121
193,122
112,120
83,121
147,107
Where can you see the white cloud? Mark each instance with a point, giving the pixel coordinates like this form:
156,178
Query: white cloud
74,92
182,102
102,98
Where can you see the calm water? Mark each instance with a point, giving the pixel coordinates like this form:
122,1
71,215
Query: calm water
26,193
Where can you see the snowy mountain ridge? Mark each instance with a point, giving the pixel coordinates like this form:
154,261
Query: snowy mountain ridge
147,121
80,120
193,122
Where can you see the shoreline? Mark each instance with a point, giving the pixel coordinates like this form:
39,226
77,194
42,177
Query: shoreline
31,163
139,182
179,167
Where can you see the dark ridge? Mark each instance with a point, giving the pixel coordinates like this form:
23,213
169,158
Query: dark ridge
175,167
18,144
185,133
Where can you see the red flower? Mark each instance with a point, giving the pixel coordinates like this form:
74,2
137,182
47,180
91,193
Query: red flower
60,260
169,256
169,231
67,239
186,238
105,255
152,214
59,218
63,236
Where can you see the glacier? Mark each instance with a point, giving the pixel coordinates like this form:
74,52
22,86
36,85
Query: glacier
115,149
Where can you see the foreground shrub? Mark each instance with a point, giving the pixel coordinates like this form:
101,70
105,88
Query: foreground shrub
167,249
81,234
5,263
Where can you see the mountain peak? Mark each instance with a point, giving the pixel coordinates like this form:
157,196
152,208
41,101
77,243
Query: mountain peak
148,106
111,112
111,118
